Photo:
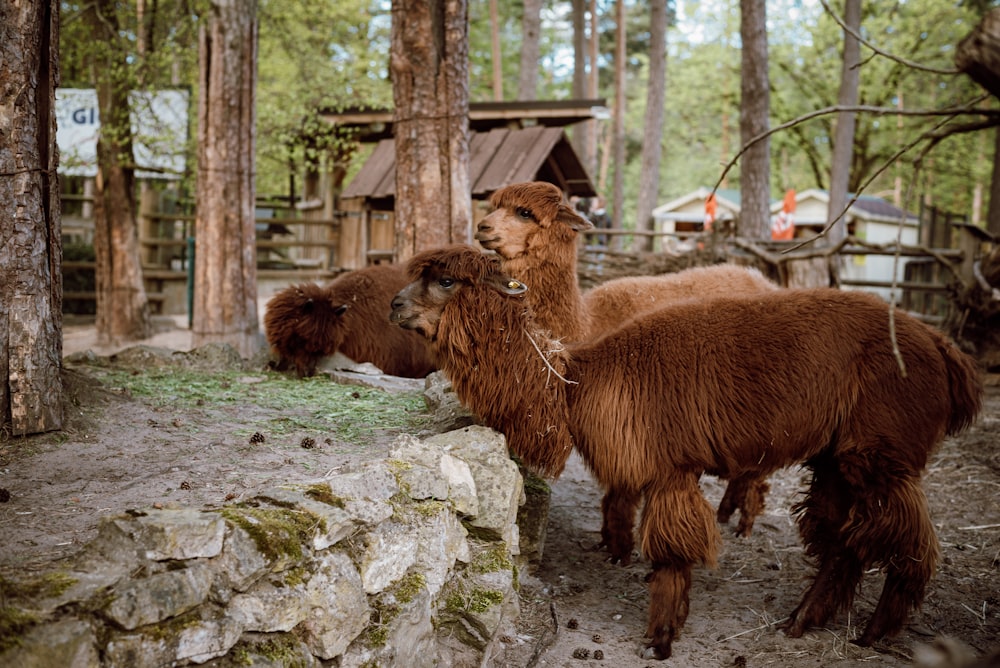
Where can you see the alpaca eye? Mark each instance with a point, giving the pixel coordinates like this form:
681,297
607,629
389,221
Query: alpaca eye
525,213
446,282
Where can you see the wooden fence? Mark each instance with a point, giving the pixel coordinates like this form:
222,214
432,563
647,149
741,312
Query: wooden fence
310,242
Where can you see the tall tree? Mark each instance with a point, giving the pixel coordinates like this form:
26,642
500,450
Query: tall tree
225,279
531,34
429,63
755,169
588,153
30,227
495,50
618,191
843,139
122,306
652,148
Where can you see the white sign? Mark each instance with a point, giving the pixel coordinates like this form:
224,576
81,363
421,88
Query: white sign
159,131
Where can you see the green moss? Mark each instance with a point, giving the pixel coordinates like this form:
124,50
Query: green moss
387,606
430,508
409,586
477,601
493,560
295,577
13,624
383,613
323,494
48,585
173,627
277,532
533,483
281,649
482,600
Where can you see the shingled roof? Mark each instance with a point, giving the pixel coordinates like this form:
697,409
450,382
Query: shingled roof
497,158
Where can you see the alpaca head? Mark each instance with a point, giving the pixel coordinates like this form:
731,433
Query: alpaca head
527,218
440,275
301,326
500,367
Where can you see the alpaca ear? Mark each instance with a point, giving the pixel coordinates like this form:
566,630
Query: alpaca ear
308,306
507,285
568,216
341,309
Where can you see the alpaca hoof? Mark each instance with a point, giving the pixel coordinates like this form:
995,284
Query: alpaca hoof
744,530
792,627
623,560
655,653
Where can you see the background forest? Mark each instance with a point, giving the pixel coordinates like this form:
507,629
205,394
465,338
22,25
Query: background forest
333,54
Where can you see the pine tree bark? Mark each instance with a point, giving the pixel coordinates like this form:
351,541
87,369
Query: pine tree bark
652,149
122,306
30,225
531,28
978,55
429,62
755,103
618,116
225,281
843,138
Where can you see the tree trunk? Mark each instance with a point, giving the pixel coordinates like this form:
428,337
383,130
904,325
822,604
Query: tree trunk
618,196
531,28
975,318
225,281
978,55
588,153
30,226
755,104
495,52
649,177
843,138
429,62
122,307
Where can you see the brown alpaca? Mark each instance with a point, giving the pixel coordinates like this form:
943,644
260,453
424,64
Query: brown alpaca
714,387
534,231
307,322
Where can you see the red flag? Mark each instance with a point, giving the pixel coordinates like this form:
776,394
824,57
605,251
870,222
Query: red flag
711,208
783,228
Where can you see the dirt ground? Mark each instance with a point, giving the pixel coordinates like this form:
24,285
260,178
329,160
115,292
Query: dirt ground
577,609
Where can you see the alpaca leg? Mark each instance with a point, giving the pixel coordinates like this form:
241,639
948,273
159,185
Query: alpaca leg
752,505
669,588
821,516
747,494
894,530
832,589
618,510
736,490
678,531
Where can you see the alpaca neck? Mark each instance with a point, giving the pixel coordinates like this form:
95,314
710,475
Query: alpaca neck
553,293
511,383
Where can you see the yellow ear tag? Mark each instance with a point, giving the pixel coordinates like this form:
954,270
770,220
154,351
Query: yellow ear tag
513,285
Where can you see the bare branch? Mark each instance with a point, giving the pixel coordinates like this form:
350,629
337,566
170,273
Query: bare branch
963,108
898,59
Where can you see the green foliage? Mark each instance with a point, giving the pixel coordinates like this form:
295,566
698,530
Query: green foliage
333,54
347,411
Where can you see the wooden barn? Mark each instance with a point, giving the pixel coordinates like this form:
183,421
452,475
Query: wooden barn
508,143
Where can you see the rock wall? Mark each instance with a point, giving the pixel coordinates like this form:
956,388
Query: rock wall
410,561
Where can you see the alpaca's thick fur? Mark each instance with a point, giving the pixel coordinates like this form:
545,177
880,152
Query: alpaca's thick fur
733,387
534,232
307,322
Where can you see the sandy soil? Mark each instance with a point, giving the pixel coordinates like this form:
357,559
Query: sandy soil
577,609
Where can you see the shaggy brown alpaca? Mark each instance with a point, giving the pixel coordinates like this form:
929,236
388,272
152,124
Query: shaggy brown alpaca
706,386
534,231
307,322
